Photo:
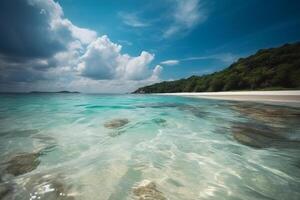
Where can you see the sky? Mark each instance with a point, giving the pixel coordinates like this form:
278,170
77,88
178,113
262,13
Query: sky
111,46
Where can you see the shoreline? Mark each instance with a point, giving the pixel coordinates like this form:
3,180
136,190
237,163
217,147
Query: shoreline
273,97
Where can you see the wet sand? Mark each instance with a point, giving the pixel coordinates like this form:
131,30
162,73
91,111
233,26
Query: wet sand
275,97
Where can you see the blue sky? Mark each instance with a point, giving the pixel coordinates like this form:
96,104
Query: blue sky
117,46
231,27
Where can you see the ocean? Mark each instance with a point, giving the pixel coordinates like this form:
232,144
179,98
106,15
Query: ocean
115,147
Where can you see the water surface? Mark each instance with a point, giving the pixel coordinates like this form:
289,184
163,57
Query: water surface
190,148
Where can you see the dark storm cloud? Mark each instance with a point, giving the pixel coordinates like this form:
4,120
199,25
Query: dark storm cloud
20,70
25,32
28,40
21,75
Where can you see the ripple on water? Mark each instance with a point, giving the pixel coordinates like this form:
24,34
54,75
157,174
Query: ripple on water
19,133
46,187
184,148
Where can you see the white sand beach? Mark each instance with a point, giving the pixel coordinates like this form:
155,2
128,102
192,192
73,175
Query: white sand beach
276,97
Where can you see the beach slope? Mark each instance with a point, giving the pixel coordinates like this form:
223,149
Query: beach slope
287,96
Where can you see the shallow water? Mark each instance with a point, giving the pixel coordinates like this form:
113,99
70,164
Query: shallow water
191,148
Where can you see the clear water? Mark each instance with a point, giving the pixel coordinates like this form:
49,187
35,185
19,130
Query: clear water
184,145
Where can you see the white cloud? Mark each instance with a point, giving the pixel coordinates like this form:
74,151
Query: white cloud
156,74
48,7
170,62
83,84
136,68
61,25
132,20
125,42
186,15
85,36
104,60
226,58
100,61
157,70
86,62
109,86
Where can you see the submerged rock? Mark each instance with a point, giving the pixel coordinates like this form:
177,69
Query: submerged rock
196,111
261,137
250,138
269,126
5,191
7,188
116,133
116,123
147,190
159,121
271,115
22,163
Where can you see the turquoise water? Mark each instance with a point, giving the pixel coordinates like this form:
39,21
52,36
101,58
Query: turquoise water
191,148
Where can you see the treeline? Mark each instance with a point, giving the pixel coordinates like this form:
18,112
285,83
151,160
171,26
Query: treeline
269,69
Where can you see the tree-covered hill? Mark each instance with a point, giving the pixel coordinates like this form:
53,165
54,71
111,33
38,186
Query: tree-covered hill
274,68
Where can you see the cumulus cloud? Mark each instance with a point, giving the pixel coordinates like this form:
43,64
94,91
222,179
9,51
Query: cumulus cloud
35,29
25,32
85,36
186,15
40,49
60,25
104,60
170,62
155,77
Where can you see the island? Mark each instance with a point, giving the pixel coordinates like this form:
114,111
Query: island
59,92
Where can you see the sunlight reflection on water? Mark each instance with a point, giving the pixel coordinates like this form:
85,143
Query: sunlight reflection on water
104,146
